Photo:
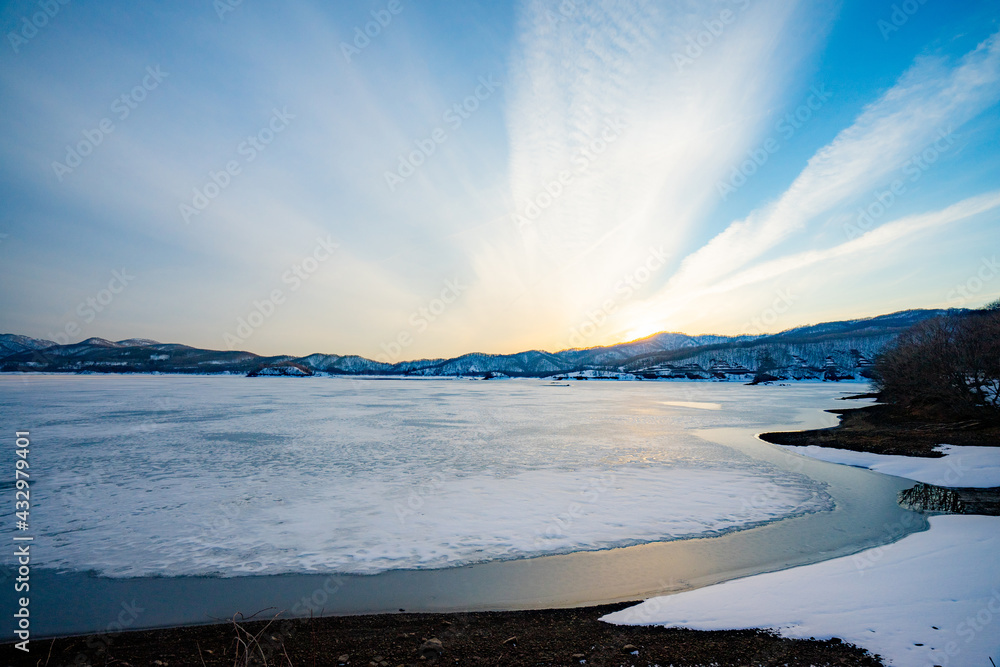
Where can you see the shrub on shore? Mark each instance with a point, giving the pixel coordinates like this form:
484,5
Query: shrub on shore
945,368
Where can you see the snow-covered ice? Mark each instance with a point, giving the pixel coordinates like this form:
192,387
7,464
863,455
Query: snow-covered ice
932,598
372,525
960,466
145,476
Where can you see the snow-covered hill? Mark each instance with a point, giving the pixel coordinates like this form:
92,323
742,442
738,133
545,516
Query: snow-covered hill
12,344
831,350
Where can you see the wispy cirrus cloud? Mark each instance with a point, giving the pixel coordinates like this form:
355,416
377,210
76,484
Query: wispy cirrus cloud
930,98
609,96
586,181
884,235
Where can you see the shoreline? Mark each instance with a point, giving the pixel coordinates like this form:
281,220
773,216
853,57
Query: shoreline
541,637
880,438
880,429
329,632
936,622
864,503
914,602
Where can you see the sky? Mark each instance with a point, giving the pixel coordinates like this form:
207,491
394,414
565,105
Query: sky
406,180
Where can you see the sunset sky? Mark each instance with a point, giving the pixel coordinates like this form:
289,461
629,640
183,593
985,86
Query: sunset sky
404,179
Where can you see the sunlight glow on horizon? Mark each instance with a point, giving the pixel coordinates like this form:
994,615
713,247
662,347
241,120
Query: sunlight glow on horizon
496,178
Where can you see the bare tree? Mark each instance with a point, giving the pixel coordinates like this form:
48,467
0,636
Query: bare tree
945,367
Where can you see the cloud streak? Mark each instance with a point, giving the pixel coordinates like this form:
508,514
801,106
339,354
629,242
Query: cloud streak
600,148
614,147
886,234
928,99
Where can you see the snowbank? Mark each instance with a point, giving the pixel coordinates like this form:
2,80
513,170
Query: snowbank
933,598
959,467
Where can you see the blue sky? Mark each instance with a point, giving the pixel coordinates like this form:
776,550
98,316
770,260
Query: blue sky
491,177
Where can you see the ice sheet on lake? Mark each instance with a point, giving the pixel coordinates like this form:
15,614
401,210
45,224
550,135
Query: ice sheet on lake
368,526
139,476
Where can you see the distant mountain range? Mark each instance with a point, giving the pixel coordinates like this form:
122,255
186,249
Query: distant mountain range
833,351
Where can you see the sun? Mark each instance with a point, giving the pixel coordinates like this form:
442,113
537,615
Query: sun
645,327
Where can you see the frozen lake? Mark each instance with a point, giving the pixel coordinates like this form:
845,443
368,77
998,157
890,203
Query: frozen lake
136,478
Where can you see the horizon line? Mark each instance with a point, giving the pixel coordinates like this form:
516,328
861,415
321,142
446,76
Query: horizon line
498,354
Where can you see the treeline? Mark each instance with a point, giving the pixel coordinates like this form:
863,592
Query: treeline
945,368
